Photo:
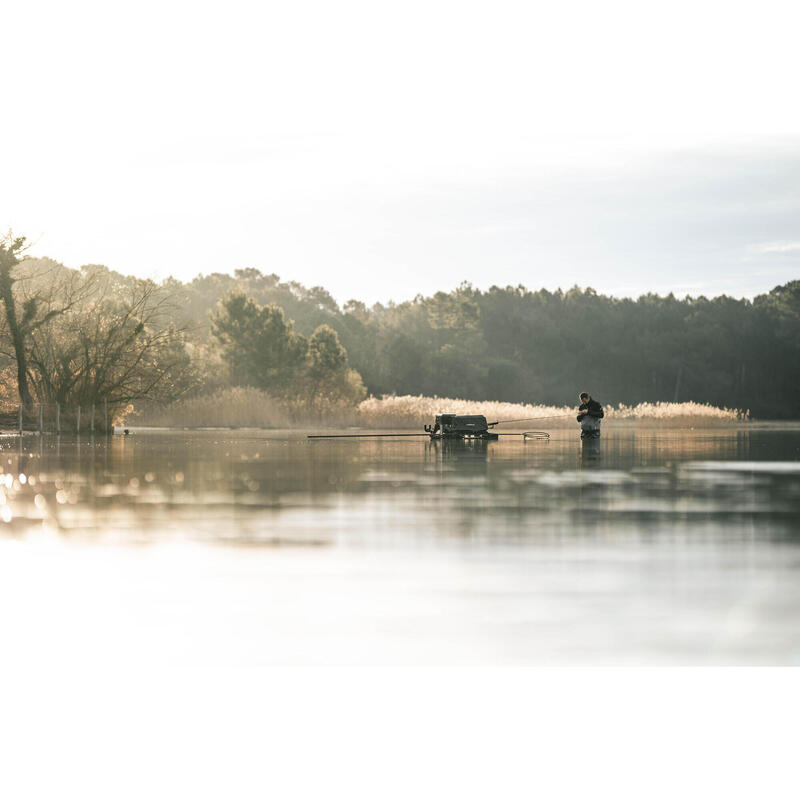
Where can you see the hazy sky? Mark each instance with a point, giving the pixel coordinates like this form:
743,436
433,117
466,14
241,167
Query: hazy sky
383,150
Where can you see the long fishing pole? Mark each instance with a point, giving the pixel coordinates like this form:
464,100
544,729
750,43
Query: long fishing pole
528,419
360,435
527,435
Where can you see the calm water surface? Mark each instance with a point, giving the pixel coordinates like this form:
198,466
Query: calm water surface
253,547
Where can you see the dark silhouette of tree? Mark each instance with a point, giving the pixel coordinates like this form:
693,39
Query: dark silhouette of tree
326,355
10,249
258,343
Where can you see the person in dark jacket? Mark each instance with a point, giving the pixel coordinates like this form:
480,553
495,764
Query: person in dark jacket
590,412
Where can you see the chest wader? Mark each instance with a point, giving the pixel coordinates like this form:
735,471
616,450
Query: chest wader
590,427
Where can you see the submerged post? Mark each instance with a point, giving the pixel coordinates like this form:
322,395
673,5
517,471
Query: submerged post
79,419
20,419
105,413
41,423
58,418
91,423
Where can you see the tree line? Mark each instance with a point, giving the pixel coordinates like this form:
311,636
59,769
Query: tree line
95,334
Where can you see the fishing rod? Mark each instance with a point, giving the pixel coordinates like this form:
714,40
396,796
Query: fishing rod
527,435
527,419
361,435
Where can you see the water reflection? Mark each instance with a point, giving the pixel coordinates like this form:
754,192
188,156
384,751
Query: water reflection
590,452
250,487
645,546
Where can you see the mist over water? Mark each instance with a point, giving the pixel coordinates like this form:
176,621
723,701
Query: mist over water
649,546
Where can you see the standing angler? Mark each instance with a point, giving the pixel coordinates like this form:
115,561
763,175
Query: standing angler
590,412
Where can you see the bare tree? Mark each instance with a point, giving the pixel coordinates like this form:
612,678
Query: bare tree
117,343
83,336
34,292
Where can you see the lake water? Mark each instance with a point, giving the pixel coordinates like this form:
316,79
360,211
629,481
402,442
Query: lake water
250,547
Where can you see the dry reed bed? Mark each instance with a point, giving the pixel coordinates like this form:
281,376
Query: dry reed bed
247,407
410,411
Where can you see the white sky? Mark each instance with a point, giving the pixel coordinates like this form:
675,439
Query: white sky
382,150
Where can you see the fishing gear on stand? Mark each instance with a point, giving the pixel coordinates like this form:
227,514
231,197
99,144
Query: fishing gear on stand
455,426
